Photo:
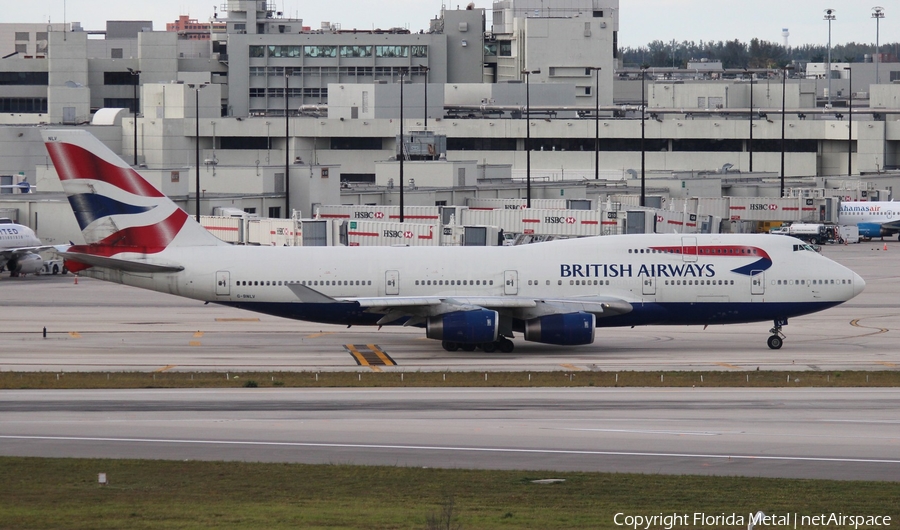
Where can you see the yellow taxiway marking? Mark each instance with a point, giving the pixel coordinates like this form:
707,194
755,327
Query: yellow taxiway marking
317,335
726,365
572,367
855,323
381,355
375,369
360,360
237,320
75,334
369,355
885,363
165,368
198,334
194,343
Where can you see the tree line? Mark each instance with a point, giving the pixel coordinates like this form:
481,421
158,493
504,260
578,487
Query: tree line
737,54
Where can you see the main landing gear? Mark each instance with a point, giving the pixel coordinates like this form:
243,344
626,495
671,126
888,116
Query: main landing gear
777,339
504,345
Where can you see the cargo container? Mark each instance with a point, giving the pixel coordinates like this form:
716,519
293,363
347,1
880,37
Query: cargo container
275,232
228,229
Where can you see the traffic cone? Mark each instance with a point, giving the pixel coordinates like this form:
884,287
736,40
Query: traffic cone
76,279
885,245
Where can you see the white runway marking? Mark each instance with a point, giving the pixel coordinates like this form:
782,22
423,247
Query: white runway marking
455,449
639,431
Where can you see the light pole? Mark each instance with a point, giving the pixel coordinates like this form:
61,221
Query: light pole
287,147
750,143
197,144
877,14
527,74
425,69
402,150
135,77
596,122
850,123
643,165
784,74
829,16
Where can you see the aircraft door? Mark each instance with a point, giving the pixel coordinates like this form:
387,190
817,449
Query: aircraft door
223,283
392,283
757,282
511,282
649,285
689,249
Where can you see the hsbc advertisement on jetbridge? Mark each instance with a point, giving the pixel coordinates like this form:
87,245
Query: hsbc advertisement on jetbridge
771,209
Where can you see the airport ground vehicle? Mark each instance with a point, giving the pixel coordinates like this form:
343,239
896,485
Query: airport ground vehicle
820,234
53,266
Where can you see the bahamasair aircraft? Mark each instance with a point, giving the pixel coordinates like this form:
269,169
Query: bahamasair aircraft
467,297
874,219
19,248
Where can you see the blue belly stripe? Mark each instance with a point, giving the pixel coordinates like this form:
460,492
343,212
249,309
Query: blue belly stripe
682,313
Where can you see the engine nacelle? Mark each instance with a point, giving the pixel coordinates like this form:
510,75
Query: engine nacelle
872,230
571,329
477,326
27,264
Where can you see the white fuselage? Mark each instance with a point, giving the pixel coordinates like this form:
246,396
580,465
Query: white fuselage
871,216
14,236
641,269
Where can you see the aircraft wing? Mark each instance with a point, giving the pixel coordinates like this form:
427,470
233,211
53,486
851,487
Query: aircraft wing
417,308
891,225
10,253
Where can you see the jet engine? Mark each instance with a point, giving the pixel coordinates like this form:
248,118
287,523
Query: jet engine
27,264
871,230
571,329
478,326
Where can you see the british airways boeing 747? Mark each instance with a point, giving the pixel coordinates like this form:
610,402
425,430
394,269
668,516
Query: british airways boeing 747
467,297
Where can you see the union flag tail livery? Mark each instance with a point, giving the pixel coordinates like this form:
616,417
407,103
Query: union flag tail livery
118,210
467,297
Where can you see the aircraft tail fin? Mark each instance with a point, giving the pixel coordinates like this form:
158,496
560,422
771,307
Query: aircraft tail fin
120,213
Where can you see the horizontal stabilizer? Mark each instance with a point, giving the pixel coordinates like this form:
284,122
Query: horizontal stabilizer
119,264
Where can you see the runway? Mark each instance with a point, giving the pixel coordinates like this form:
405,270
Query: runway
101,326
801,433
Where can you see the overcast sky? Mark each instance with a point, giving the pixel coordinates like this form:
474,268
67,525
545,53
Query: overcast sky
641,21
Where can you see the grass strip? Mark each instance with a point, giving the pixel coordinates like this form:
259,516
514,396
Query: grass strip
147,494
398,379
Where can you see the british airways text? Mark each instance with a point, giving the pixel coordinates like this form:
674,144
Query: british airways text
619,270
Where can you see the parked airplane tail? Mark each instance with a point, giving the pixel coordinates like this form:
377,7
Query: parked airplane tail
122,216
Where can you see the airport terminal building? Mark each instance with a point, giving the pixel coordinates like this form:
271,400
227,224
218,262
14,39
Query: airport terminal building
284,116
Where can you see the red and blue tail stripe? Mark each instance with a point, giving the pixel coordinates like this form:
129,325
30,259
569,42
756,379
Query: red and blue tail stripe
74,162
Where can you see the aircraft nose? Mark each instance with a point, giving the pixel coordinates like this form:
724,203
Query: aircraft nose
858,284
